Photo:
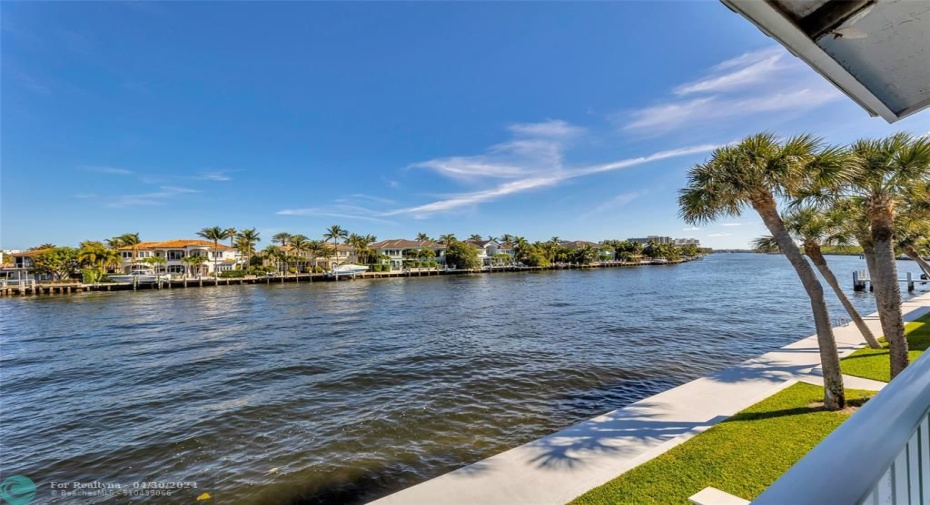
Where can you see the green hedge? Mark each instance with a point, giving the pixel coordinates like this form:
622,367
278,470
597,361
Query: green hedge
232,274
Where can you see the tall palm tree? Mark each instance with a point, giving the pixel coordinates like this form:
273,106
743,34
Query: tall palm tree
281,238
422,237
233,235
447,239
247,240
475,236
316,249
813,229
885,173
335,233
913,238
215,234
755,173
299,245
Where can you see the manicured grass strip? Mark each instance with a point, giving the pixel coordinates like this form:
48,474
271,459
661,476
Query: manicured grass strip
742,455
875,363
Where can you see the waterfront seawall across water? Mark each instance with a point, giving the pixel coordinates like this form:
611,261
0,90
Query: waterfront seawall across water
22,288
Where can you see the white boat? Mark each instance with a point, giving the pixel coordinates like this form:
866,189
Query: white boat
139,277
347,269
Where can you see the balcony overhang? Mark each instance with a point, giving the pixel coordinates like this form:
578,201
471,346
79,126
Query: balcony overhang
877,52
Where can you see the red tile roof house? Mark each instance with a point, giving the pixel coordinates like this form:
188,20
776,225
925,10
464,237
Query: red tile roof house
224,258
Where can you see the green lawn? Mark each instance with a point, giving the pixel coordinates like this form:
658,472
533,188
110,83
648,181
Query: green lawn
875,364
742,455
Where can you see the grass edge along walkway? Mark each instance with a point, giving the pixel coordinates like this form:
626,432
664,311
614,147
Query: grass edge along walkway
874,363
742,455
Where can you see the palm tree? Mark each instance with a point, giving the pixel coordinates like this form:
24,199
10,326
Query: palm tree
316,249
883,175
126,240
215,234
98,257
194,261
281,238
813,228
334,233
755,172
247,241
299,244
475,236
422,237
447,239
913,238
233,234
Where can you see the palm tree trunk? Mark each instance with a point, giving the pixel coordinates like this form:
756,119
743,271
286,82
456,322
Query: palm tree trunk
834,393
912,254
816,256
216,272
887,291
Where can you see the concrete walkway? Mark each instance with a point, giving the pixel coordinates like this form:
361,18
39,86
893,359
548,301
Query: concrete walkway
557,468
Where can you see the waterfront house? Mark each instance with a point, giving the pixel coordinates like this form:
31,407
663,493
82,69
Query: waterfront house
396,250
22,263
487,250
225,258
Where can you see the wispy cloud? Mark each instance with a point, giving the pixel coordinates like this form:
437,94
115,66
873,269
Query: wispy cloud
159,197
214,175
613,203
30,83
329,212
750,68
109,170
553,128
719,234
538,181
765,81
693,228
535,149
731,224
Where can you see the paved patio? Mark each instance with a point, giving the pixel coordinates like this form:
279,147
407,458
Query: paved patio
557,468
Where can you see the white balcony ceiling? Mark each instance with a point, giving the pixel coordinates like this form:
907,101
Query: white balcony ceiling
875,51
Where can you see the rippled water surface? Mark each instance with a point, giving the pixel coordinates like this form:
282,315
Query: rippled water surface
345,392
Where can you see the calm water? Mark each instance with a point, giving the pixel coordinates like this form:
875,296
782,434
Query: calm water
342,393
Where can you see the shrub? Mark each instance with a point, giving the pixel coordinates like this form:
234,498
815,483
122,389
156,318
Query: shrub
376,267
232,274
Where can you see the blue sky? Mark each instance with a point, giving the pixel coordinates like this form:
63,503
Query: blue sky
576,120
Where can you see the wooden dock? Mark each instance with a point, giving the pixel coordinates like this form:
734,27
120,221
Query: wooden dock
33,288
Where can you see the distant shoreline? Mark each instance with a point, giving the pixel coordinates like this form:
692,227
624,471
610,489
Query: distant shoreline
64,288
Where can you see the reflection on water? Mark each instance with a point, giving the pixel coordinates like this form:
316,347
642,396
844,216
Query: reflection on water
344,392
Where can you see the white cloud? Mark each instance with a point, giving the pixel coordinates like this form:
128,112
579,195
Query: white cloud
330,212
767,81
693,228
719,234
535,150
215,175
109,170
153,198
730,224
552,128
539,181
751,68
614,203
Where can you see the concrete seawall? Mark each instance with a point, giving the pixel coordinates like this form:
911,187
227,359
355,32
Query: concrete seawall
557,468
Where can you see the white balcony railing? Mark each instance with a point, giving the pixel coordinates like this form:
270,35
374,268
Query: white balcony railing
880,456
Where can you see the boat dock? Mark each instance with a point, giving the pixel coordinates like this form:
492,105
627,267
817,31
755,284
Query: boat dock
34,288
862,281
